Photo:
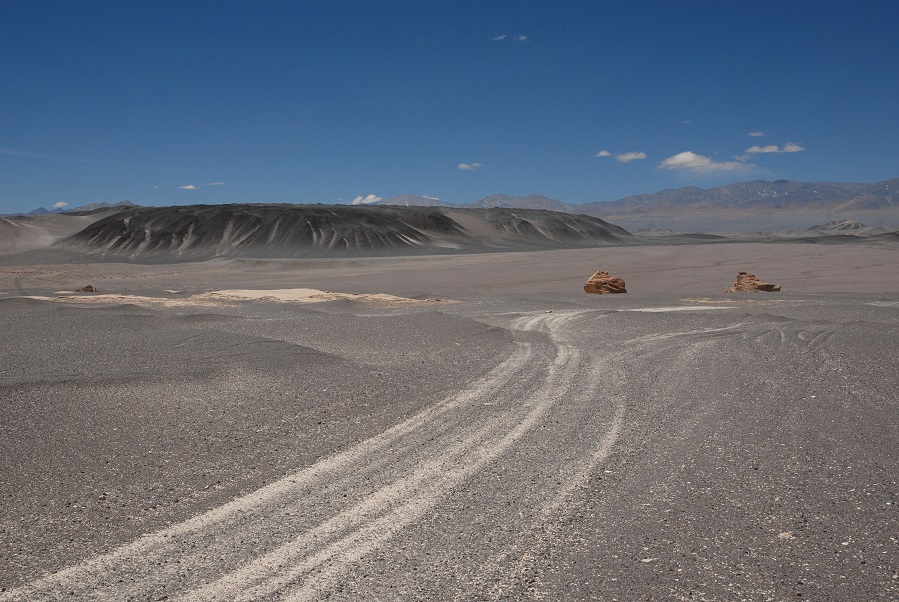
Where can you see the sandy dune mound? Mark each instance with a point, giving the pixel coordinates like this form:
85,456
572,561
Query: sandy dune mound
749,283
602,283
206,231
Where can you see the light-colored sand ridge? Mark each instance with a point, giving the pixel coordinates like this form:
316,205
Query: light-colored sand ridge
226,297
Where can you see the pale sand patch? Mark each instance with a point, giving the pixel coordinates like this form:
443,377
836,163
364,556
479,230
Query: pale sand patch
310,295
111,299
733,301
675,308
230,297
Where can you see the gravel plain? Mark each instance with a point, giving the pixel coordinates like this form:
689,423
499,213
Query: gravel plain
501,436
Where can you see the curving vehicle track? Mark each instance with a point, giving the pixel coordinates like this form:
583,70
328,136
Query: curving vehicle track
688,451
310,528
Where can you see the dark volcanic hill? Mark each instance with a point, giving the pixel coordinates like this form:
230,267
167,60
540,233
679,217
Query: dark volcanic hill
206,231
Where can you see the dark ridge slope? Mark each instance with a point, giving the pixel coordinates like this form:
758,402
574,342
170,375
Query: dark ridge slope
292,231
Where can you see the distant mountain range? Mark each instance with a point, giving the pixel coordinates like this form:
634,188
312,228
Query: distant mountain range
199,232
757,205
743,206
89,207
504,201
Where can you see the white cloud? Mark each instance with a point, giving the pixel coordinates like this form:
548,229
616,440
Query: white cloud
789,147
189,187
771,148
628,157
215,184
622,157
432,198
686,121
502,36
690,161
366,200
60,205
756,134
469,166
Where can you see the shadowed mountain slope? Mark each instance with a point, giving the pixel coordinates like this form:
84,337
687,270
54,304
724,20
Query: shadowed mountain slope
206,231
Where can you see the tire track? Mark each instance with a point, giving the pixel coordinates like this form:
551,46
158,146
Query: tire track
409,468
350,536
519,562
586,431
360,529
493,527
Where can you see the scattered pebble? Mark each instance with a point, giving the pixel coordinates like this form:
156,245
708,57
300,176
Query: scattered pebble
785,535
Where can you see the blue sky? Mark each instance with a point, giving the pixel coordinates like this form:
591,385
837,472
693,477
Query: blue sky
165,103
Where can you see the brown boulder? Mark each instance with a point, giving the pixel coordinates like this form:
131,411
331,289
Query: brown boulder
749,283
86,289
602,283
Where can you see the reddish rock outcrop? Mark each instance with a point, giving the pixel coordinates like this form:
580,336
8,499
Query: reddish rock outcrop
602,283
749,283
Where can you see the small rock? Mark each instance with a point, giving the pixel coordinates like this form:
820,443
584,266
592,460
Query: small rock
87,289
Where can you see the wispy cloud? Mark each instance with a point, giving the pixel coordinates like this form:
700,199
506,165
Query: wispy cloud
519,38
789,147
366,200
690,161
469,166
686,121
195,187
756,134
60,205
628,157
622,157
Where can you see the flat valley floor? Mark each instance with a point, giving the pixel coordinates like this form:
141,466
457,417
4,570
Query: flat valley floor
469,427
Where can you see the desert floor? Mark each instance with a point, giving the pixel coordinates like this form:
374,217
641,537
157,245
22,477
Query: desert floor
487,432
